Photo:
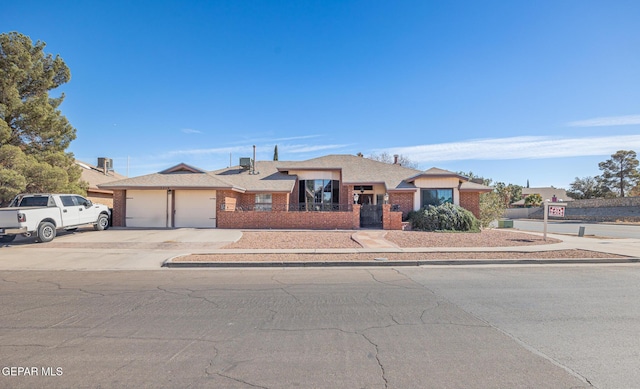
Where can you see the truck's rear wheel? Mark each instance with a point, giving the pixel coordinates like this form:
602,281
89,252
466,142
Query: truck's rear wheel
7,238
102,223
46,232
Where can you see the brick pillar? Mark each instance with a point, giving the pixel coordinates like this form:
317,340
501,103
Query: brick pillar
391,220
356,216
119,213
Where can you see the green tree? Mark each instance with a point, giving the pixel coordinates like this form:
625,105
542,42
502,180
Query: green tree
509,193
275,153
620,171
533,200
491,208
33,132
588,188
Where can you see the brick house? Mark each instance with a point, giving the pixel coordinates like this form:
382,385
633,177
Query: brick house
330,192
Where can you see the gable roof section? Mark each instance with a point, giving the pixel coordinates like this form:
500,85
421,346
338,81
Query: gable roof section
434,172
181,176
358,170
182,168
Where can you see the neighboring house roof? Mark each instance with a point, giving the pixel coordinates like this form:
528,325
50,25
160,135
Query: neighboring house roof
546,193
95,176
273,176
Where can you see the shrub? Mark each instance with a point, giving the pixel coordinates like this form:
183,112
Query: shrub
445,217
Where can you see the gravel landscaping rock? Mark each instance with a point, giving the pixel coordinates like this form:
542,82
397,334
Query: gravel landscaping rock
371,257
342,239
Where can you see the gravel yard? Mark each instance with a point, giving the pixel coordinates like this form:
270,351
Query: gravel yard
486,238
370,257
405,239
342,239
294,240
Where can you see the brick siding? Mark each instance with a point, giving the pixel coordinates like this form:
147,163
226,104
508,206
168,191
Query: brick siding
403,200
119,208
471,202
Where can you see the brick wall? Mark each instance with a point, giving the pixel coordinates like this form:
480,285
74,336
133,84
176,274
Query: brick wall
403,200
391,220
119,208
290,220
471,202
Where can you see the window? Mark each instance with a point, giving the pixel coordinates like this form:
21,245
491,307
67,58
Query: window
319,194
68,201
435,197
263,202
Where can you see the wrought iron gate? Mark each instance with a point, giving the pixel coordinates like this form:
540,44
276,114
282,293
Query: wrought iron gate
371,216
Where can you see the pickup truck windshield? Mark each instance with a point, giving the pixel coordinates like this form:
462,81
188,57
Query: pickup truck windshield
40,201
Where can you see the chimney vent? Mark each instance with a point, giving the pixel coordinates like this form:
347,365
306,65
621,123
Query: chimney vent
395,159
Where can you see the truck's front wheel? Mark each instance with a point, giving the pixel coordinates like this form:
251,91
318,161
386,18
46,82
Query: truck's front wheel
46,232
102,223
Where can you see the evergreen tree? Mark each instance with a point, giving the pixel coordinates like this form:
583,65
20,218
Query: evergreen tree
621,171
275,153
33,132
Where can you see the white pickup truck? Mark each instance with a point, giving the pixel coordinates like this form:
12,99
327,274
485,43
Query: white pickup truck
41,215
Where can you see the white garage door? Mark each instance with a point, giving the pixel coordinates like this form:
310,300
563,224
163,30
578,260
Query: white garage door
147,208
195,208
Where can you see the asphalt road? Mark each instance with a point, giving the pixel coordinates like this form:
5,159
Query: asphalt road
542,327
572,227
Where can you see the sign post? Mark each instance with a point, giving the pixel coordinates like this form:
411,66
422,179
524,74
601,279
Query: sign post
552,210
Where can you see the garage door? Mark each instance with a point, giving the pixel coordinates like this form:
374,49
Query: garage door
195,208
147,208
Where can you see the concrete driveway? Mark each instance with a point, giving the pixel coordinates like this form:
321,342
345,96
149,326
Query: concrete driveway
114,249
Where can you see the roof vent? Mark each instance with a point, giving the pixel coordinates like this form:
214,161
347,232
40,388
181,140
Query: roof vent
106,164
246,163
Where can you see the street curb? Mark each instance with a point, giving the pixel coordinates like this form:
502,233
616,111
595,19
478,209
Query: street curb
455,262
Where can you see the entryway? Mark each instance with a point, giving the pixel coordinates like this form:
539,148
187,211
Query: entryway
371,216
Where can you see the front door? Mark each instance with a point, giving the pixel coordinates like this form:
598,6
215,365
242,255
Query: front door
371,216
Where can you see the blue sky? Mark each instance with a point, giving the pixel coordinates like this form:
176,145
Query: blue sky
511,90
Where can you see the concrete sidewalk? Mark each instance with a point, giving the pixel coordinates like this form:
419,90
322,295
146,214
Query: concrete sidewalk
131,249
373,242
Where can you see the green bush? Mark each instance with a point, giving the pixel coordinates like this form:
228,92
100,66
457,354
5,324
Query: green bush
445,217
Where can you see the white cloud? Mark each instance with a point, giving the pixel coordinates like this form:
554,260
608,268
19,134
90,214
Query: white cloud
308,148
190,131
523,147
607,121
217,150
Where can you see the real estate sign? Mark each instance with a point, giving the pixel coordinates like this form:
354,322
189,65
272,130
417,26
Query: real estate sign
553,210
556,211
